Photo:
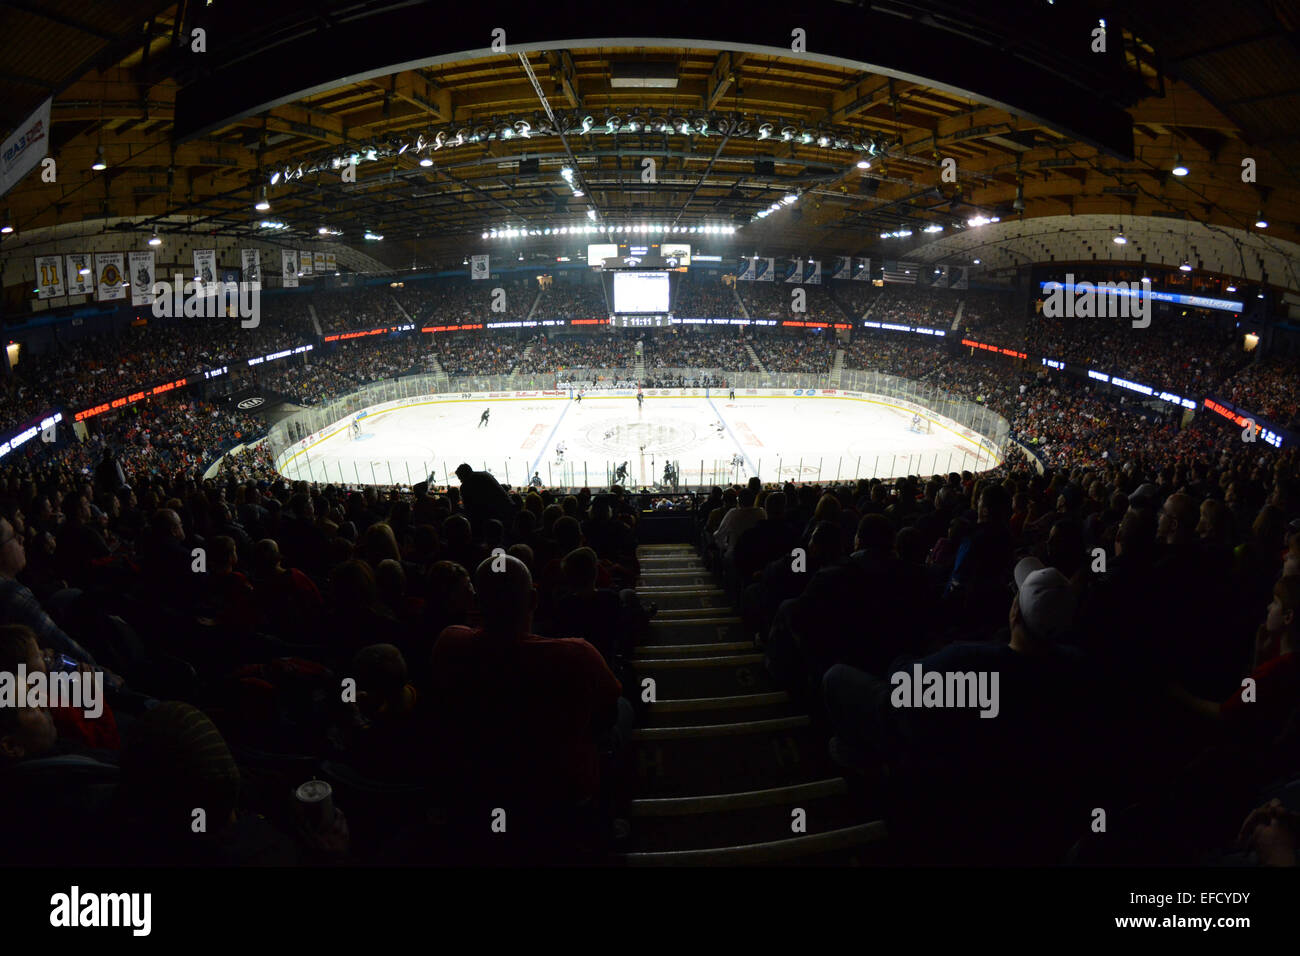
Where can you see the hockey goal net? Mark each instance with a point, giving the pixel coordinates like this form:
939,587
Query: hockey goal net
921,425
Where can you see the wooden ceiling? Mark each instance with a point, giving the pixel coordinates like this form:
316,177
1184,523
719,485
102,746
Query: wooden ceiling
116,74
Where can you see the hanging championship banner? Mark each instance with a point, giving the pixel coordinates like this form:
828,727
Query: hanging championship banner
863,270
251,260
109,277
81,278
49,277
331,262
766,270
478,267
812,273
205,269
142,277
748,273
289,268
25,147
304,263
318,262
794,271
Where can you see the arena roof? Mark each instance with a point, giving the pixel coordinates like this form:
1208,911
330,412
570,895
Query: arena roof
465,138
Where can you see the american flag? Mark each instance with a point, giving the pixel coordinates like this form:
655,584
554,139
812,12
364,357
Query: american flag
900,271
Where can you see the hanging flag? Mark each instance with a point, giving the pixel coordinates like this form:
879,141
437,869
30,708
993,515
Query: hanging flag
251,260
142,277
478,267
49,277
25,147
305,260
80,276
109,277
289,268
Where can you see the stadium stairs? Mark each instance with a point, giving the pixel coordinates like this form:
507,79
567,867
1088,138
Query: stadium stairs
837,368
723,758
753,357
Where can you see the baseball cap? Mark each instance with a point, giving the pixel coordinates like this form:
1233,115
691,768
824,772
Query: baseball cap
1046,602
1147,491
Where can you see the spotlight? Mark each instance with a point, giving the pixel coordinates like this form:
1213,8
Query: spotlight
1232,288
426,161
263,204
154,240
977,262
1179,169
1185,267
864,164
578,194
98,165
1119,239
1260,221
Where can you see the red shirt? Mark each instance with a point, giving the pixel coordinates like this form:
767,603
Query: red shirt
519,718
1277,692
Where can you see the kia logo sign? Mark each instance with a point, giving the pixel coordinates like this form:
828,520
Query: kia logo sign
248,403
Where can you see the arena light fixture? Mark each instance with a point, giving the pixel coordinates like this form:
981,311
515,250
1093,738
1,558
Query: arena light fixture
262,204
864,164
373,236
154,240
98,165
1185,267
1232,288
1179,169
1119,239
1260,221
578,194
934,227
976,262
426,162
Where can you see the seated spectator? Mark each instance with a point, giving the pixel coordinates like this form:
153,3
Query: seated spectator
521,712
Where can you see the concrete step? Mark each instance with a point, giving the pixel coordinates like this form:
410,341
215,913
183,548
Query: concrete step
838,842
695,631
705,676
690,613
674,761
684,597
652,579
737,819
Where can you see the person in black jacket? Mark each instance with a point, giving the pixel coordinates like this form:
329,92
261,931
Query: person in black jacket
483,498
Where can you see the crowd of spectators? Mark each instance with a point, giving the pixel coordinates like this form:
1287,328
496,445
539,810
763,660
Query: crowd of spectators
775,300
855,298
569,354
914,305
572,300
463,300
1161,570
476,353
811,354
698,298
216,666
1122,602
693,348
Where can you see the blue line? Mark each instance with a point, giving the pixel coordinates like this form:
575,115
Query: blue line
568,404
740,449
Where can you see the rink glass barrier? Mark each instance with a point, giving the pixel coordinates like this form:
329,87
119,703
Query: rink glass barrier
986,432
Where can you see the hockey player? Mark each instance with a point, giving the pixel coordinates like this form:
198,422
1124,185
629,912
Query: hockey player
640,399
483,419
535,481
621,474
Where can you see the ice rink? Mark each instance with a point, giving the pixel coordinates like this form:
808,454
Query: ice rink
711,440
